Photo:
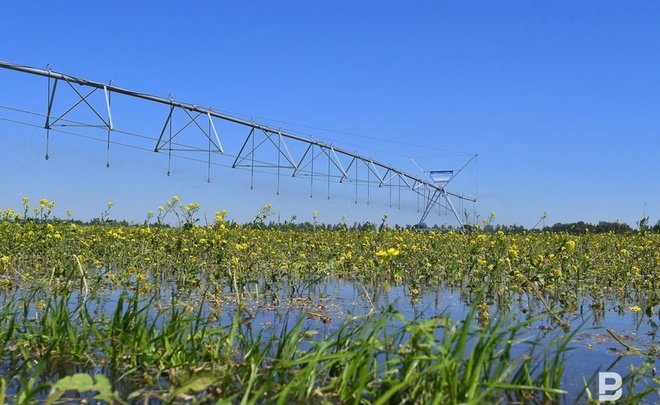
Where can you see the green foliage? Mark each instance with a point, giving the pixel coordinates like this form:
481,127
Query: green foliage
83,383
148,305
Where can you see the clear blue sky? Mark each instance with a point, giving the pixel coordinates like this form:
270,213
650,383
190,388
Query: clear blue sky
560,99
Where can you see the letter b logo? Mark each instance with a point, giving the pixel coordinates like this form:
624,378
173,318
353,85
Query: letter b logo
609,382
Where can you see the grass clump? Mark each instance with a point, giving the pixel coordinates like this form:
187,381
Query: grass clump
178,354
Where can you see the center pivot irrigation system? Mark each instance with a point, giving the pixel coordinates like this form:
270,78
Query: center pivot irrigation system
282,153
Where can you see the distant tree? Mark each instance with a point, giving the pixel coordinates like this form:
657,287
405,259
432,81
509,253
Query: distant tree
615,227
656,227
580,227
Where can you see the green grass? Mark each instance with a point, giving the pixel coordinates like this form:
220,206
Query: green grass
173,354
173,314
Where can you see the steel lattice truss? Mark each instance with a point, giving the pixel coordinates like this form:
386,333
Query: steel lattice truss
281,152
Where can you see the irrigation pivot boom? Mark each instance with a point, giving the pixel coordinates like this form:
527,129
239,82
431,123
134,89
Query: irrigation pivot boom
441,178
338,165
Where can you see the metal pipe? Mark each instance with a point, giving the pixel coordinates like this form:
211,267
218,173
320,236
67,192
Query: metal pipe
201,110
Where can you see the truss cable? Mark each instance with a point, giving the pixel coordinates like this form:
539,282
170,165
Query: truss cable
137,135
194,111
82,124
351,134
174,155
356,180
461,169
390,187
86,136
328,175
368,184
184,106
50,105
169,154
126,145
108,96
107,151
252,165
476,186
279,159
311,178
208,173
399,191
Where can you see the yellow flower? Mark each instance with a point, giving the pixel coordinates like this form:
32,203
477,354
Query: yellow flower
513,251
388,254
4,259
175,198
570,245
635,308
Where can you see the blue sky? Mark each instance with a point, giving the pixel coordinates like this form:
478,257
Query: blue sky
560,99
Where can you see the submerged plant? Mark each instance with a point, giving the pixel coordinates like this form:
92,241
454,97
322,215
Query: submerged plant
247,313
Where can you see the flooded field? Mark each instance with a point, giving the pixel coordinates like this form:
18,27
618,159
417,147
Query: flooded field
253,314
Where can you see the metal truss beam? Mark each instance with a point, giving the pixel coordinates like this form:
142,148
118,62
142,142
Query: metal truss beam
384,175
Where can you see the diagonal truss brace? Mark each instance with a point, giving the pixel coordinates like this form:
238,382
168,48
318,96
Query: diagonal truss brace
211,134
383,174
434,200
